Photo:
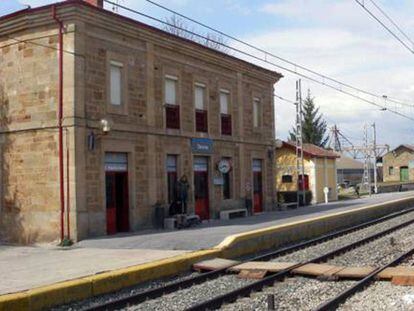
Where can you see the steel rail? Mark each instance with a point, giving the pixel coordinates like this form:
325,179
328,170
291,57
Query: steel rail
217,301
186,283
341,297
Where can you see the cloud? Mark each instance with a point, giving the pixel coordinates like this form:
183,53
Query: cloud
338,39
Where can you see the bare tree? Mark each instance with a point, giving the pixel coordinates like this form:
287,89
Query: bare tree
178,26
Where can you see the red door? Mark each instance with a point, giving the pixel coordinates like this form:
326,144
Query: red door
303,185
117,205
110,203
257,192
201,187
122,204
257,187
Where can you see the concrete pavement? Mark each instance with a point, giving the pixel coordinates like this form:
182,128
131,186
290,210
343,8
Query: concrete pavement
23,268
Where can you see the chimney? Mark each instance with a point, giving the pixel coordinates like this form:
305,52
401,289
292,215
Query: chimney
97,3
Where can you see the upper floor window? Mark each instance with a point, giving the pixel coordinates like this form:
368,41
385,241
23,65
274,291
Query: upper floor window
256,112
172,109
116,83
225,114
200,108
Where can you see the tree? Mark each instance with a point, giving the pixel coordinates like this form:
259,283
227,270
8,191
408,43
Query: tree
178,26
313,124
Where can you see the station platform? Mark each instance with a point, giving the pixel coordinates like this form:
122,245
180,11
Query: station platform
211,233
155,253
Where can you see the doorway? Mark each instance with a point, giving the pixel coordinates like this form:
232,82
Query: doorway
404,173
303,184
117,198
257,186
201,196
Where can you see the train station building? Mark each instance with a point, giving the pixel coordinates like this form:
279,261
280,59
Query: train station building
138,109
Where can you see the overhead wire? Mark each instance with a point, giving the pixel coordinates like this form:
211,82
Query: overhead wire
392,21
265,60
392,33
323,76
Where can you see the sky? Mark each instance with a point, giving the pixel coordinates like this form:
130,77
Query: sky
333,37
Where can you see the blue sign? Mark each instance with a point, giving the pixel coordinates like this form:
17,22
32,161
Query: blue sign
201,145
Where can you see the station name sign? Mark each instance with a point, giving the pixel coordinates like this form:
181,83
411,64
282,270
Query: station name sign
202,145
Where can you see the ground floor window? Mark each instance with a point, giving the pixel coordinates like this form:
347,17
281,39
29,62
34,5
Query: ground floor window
172,177
226,186
227,176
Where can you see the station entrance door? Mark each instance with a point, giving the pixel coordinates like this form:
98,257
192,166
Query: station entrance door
117,198
201,187
257,186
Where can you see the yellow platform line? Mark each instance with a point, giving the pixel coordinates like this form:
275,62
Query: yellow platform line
85,287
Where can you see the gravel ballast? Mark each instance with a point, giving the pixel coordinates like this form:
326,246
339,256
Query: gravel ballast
292,295
322,248
381,296
378,252
187,297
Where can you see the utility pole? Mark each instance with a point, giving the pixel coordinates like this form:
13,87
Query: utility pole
374,150
366,177
300,169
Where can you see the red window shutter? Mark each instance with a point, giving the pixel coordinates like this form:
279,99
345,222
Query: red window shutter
172,114
201,120
225,124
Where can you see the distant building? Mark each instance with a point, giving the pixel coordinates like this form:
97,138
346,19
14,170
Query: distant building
398,164
320,171
349,170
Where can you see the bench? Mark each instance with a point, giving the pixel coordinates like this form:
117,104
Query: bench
233,213
285,206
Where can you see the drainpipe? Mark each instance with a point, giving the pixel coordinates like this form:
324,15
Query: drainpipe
67,191
60,117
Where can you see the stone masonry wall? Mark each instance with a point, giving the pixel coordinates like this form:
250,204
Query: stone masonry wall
401,158
29,205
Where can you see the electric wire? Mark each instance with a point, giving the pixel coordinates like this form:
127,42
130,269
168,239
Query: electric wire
363,6
392,21
260,59
266,53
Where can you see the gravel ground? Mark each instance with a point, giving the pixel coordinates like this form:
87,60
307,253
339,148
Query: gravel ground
292,295
122,293
322,248
381,296
187,297
378,252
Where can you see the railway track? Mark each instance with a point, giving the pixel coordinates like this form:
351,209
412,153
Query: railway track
334,302
216,302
